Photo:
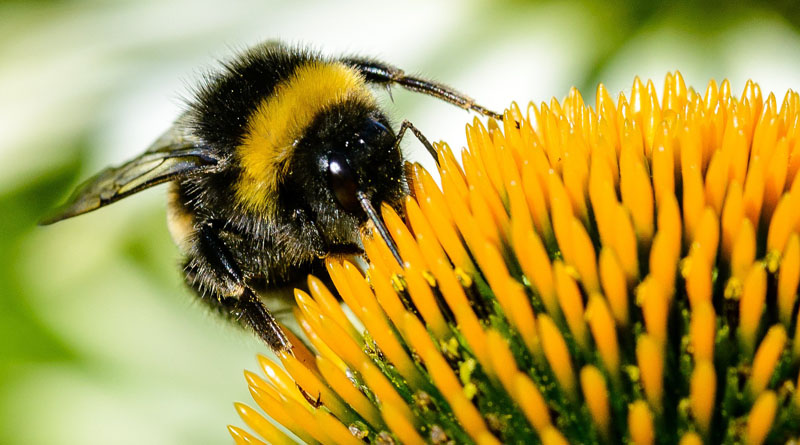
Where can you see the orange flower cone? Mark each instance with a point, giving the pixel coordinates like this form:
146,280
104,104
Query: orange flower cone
620,273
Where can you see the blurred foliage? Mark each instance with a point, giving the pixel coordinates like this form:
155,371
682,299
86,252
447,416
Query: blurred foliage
26,338
623,20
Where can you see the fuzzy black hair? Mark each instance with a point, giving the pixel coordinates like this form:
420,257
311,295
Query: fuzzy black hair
224,103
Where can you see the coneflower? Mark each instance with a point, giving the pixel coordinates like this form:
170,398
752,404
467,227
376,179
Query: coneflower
626,272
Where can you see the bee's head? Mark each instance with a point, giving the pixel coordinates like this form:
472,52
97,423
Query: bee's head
347,155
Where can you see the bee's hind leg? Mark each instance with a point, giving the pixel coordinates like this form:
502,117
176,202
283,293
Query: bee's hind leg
218,281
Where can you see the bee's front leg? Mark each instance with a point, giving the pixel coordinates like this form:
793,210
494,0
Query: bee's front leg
211,272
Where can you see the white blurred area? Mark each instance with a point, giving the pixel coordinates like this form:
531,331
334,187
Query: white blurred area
117,71
113,73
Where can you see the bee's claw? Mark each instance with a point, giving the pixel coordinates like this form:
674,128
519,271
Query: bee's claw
316,403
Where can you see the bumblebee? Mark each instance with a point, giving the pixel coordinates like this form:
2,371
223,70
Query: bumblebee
275,165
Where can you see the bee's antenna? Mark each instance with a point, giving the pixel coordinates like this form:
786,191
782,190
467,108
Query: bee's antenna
373,215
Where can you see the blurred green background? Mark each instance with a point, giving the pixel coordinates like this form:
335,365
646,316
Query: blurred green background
99,340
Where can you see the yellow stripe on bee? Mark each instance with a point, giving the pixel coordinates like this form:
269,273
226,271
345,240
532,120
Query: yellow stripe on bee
282,119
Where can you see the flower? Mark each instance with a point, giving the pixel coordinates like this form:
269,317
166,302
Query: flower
626,272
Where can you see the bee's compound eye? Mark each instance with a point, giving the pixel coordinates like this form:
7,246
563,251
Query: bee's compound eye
342,181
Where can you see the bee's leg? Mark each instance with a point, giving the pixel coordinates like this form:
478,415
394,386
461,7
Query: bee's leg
406,125
383,74
247,310
259,318
224,306
220,283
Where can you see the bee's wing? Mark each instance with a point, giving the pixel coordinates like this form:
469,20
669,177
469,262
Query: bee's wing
175,154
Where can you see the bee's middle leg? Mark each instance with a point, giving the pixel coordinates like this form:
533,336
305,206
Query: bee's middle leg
218,281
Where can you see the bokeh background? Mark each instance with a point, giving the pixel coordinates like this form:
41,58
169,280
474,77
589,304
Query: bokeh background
99,341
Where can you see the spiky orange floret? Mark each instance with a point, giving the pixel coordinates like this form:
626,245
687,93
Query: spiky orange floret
622,272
